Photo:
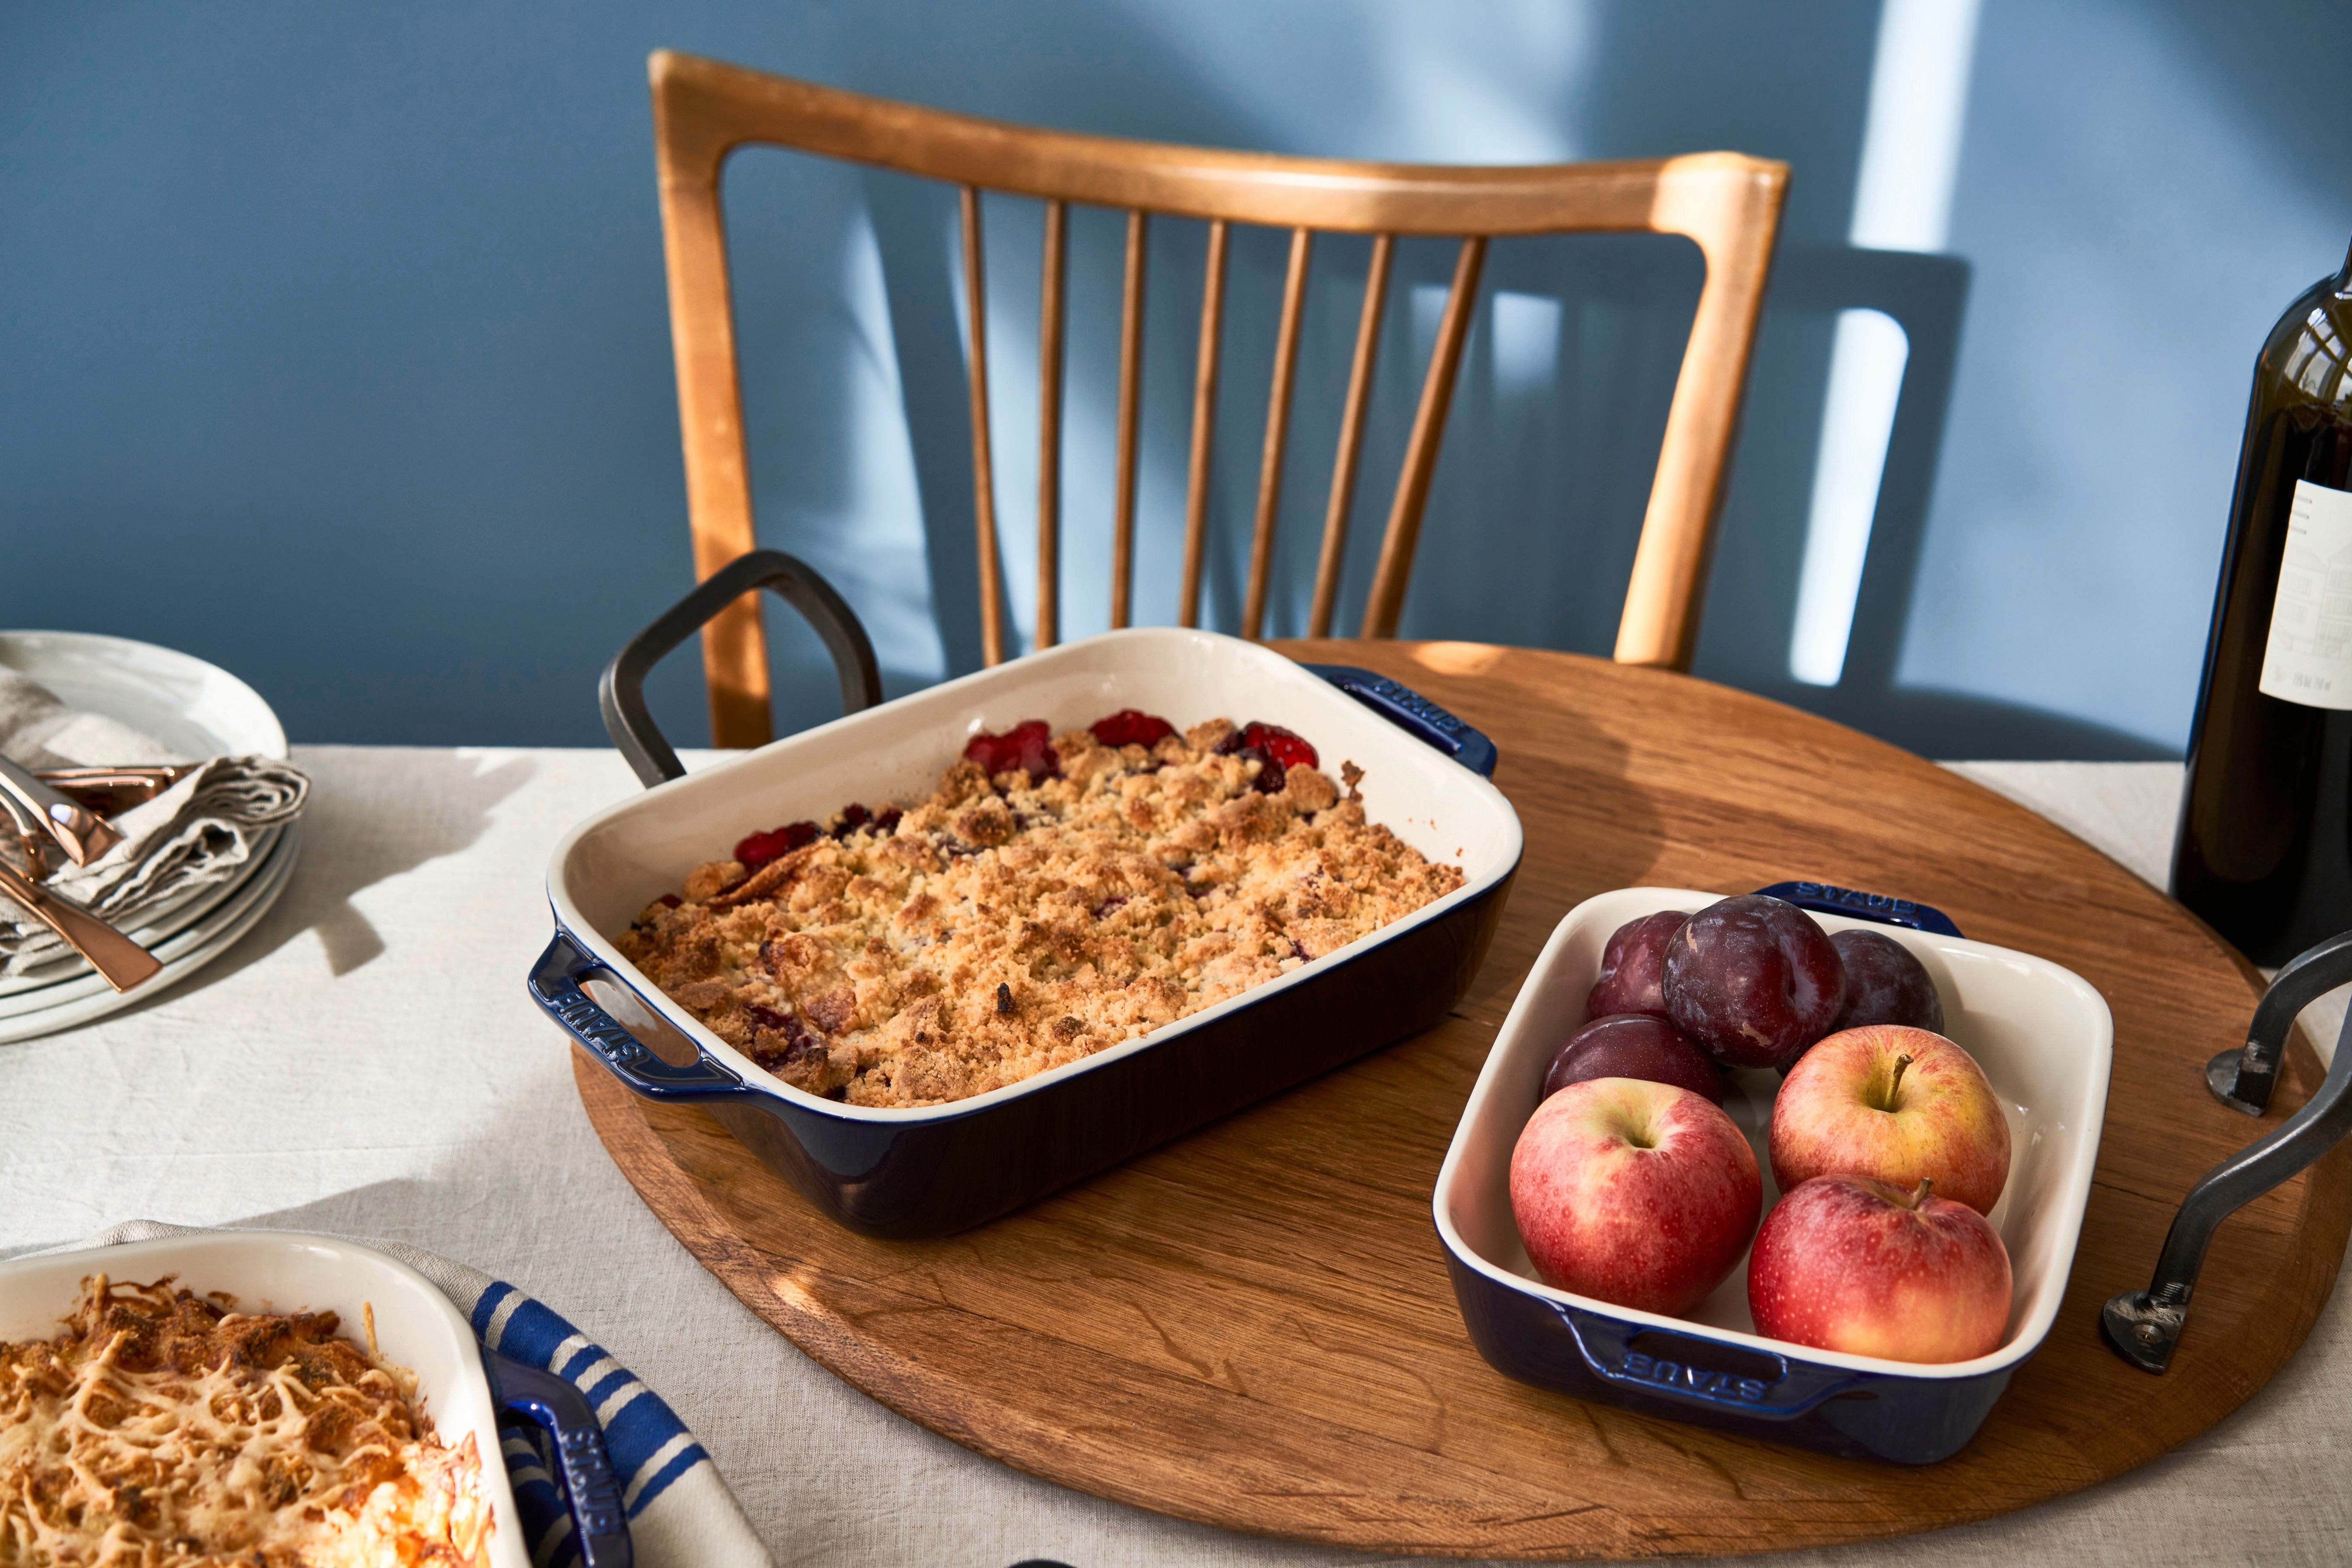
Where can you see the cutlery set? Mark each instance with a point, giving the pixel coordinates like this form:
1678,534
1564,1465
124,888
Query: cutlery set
68,810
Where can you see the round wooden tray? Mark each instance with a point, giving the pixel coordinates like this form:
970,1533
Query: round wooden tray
1252,1327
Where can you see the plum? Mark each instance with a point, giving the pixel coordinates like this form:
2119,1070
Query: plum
1633,1044
1632,966
1884,984
1753,980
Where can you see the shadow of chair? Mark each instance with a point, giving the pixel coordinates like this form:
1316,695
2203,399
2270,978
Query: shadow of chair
1729,205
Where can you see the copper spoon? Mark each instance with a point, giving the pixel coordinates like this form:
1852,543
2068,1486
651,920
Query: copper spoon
113,791
82,833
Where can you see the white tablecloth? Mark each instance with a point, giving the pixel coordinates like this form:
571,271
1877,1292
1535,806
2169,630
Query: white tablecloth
367,1062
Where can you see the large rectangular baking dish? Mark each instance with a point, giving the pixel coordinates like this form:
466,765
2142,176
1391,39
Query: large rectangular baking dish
416,1327
906,1173
2042,1034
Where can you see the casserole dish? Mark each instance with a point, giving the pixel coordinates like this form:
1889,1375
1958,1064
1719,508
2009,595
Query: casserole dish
2043,1037
923,1172
416,1327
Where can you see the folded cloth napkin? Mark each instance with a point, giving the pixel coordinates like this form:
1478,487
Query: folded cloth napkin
202,832
681,1514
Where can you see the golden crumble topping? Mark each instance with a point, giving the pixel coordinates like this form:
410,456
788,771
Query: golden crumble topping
1006,926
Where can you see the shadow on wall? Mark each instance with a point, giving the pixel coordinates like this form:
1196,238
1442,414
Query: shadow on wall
350,336
1926,295
850,297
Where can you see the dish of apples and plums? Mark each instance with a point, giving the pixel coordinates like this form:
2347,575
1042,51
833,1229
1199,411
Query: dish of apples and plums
1889,1146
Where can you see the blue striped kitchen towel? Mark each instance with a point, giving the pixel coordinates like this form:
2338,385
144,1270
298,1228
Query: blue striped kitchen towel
681,1514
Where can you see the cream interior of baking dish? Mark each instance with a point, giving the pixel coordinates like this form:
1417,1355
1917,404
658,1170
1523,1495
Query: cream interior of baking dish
611,866
2042,1035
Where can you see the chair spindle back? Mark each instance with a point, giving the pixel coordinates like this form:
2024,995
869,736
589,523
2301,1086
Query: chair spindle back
1729,203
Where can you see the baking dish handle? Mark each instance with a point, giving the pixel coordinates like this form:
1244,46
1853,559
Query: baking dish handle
1732,1378
1414,714
555,986
2145,1326
1856,904
591,1491
621,693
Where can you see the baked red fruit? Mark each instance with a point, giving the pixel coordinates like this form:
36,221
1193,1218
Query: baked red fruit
1027,745
756,849
1274,750
1632,966
1884,984
1753,980
1638,1194
1131,727
1633,1044
1284,746
1846,1263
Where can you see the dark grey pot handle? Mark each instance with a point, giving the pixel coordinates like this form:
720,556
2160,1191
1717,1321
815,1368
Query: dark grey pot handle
2243,1080
621,694
2145,1325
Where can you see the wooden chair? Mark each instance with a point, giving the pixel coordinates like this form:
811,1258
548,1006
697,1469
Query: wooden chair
1729,203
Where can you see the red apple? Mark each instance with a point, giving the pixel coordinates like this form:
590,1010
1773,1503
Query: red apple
1844,1263
1635,1192
1633,1044
1896,1104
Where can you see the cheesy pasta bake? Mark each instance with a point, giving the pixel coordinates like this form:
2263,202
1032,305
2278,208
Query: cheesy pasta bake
165,1429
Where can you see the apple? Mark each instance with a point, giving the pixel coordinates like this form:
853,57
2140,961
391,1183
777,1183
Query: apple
1884,984
1632,967
1846,1263
1753,980
1633,1044
1894,1104
1634,1192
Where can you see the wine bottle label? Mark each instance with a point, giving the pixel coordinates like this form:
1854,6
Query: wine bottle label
2309,657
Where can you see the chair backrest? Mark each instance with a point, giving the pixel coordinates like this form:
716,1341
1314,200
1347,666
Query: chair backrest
1729,203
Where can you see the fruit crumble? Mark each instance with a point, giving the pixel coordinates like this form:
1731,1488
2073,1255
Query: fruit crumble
1056,895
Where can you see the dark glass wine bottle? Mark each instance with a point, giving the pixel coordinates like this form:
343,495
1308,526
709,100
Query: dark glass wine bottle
2264,849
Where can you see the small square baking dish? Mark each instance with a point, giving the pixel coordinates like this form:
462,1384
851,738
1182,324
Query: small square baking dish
2043,1037
416,1327
925,1172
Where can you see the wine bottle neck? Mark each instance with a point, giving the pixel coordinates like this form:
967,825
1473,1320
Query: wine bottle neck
2344,278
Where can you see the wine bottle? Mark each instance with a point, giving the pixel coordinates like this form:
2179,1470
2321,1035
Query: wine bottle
2264,848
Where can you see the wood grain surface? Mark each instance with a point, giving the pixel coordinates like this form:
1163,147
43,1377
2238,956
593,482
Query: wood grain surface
1252,1327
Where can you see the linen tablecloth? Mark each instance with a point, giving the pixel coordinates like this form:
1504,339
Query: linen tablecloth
366,1062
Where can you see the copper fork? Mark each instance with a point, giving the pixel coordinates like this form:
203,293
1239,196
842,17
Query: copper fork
119,960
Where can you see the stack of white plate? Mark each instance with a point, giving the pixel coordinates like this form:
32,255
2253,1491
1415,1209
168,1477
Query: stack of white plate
198,711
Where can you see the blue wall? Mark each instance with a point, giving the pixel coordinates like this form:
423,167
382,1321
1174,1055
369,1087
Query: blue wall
337,350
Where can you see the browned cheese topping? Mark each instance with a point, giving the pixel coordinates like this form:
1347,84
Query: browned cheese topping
165,1430
1005,927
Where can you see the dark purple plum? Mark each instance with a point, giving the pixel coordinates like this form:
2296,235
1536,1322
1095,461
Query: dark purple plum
1753,980
1633,1044
1884,984
1632,966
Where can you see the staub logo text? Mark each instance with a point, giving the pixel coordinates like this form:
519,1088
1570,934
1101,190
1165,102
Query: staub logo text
594,1025
1677,1374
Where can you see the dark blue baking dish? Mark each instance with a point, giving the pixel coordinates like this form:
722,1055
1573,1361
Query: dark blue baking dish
934,1171
2042,1035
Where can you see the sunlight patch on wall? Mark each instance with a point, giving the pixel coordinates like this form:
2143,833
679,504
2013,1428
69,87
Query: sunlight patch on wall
875,548
1902,201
